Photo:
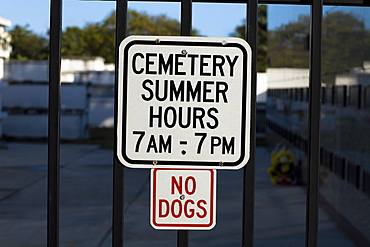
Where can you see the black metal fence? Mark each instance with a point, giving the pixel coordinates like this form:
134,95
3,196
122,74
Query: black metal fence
345,168
355,96
314,95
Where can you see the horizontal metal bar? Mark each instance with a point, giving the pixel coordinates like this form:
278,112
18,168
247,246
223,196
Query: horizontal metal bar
359,3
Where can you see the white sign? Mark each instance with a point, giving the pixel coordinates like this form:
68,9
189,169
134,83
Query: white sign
183,102
183,199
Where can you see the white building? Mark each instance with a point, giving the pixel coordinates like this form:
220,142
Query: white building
357,76
71,69
5,50
90,77
5,47
287,78
299,78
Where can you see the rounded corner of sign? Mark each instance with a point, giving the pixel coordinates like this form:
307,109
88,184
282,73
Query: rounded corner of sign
129,38
154,225
212,225
208,226
123,161
242,163
127,41
243,42
123,43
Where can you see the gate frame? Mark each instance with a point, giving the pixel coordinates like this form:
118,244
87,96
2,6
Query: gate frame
248,185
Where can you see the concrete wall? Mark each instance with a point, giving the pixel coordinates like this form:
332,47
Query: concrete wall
74,64
287,78
3,115
262,87
38,71
24,101
95,77
36,126
353,79
73,96
101,112
27,106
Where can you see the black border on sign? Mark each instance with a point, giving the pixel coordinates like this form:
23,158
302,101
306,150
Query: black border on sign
124,92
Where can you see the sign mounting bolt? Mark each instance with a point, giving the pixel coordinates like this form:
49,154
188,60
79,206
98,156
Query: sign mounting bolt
182,197
184,52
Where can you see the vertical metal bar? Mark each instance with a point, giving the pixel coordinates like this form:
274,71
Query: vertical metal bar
186,17
186,25
314,125
54,123
248,186
182,238
118,169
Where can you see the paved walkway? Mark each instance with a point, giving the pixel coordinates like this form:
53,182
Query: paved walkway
86,198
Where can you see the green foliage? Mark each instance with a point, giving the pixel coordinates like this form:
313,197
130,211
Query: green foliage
74,42
261,37
344,40
98,39
27,45
287,45
344,44
94,39
143,24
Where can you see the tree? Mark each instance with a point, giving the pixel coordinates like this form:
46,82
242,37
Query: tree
27,45
261,38
287,45
344,44
94,39
98,39
74,42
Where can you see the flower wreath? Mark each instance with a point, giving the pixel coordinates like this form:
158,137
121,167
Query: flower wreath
282,167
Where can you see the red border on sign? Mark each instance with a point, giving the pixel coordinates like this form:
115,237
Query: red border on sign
212,201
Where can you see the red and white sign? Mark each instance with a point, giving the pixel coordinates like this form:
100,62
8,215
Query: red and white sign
183,199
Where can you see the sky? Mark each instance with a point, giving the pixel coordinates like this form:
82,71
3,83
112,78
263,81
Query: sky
213,20
216,20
